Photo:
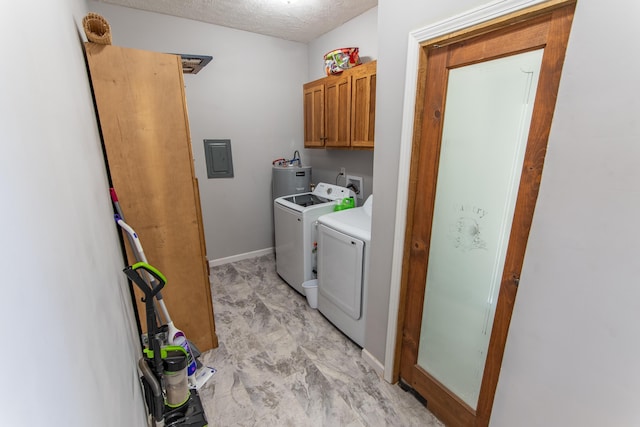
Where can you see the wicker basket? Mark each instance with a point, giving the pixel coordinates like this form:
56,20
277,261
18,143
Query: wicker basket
96,28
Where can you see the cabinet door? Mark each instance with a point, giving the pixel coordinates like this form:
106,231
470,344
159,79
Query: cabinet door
338,112
314,115
363,107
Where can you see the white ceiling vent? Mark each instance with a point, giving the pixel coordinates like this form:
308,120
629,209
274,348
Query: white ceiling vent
191,64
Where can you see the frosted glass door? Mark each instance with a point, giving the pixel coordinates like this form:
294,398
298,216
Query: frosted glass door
487,117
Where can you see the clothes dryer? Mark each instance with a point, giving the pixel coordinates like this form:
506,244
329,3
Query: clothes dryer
344,247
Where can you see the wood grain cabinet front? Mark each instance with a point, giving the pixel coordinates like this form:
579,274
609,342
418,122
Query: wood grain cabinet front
314,115
339,111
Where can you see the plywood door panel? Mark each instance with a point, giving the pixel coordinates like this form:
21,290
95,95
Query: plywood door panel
142,112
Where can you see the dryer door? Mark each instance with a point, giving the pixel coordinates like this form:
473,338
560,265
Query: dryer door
340,270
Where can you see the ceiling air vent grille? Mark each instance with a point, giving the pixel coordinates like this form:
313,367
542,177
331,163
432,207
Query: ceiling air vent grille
191,64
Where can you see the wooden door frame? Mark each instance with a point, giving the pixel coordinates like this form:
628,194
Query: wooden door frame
474,19
407,191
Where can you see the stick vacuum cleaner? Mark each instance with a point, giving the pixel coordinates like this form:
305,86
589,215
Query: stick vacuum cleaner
197,376
170,401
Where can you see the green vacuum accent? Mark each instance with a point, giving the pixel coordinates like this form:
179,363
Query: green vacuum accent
151,269
164,351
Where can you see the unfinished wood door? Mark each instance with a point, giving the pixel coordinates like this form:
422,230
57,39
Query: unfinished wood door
143,118
458,187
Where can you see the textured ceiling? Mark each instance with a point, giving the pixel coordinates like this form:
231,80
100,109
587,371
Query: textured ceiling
297,20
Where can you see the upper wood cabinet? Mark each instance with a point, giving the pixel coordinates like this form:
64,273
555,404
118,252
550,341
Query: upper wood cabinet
339,111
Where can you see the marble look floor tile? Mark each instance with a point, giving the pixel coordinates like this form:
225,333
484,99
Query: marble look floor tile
320,400
281,363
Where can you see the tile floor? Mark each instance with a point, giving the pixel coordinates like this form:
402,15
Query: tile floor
281,363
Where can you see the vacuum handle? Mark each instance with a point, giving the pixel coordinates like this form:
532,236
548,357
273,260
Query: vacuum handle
134,242
134,276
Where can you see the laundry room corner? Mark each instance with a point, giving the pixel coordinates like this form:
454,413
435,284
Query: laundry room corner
243,95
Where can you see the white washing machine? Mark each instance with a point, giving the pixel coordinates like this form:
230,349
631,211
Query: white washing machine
294,220
344,247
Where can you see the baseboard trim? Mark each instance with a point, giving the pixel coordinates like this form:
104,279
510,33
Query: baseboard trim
373,362
240,257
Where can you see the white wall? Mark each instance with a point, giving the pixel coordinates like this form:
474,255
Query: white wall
70,345
571,355
394,25
573,344
250,93
361,32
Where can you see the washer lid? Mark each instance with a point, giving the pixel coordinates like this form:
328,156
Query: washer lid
305,199
323,194
289,202
355,222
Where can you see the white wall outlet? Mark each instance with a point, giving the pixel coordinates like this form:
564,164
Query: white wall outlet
357,183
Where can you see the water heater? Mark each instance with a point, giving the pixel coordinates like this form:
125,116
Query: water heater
290,179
